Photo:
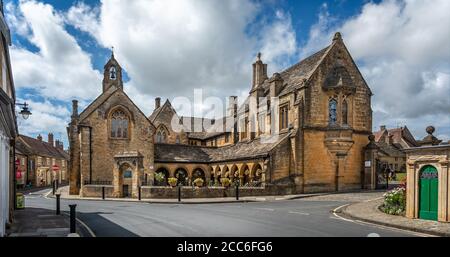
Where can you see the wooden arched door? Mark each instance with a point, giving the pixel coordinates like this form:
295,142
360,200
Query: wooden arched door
428,201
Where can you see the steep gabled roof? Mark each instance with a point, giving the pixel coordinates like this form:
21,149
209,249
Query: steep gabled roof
103,98
29,145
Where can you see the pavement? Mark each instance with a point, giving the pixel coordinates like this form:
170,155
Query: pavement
303,217
38,222
368,211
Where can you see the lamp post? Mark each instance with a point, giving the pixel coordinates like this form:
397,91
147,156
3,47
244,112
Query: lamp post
25,112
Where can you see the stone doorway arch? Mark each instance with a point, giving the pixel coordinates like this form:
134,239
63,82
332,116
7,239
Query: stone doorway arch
128,170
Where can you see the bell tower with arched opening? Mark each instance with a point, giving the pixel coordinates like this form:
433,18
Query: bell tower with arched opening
112,75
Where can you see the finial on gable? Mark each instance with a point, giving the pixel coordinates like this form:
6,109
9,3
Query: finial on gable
258,56
337,36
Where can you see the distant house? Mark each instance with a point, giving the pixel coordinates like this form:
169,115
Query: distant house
392,143
41,162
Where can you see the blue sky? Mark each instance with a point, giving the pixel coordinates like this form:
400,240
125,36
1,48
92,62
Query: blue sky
168,49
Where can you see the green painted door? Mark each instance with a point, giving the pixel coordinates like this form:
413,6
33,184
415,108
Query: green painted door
429,193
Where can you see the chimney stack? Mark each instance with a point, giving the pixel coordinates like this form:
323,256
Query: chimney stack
50,139
74,109
59,145
259,72
157,103
232,106
39,137
383,127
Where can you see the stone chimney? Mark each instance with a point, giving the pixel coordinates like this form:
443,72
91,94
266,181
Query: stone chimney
59,145
259,72
39,137
157,102
50,139
383,127
276,83
74,109
232,106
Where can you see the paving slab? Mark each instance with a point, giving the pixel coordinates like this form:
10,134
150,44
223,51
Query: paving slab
35,222
369,211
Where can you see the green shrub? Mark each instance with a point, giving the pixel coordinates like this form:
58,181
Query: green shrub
160,177
395,202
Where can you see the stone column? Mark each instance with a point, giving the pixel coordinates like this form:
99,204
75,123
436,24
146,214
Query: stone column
410,190
443,191
117,190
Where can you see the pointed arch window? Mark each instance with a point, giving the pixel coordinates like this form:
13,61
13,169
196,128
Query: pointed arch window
332,110
119,125
345,112
161,136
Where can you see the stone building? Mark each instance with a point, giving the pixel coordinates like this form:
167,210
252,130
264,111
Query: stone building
8,127
428,180
302,130
41,162
391,145
111,141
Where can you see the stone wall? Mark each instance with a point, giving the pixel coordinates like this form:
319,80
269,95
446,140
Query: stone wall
148,192
96,191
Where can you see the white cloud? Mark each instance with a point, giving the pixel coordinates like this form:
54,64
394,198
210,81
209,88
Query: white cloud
403,52
46,117
168,48
60,69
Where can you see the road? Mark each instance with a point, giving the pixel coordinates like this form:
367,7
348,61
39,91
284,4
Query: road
310,217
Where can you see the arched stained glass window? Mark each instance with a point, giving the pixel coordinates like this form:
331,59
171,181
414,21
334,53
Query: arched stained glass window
345,112
119,125
332,109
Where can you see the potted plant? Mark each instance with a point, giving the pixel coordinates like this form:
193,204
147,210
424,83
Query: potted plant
173,182
160,178
226,182
199,182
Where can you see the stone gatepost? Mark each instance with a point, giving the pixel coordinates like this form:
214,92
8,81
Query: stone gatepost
369,178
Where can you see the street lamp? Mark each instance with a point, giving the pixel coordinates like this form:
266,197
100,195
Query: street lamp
25,112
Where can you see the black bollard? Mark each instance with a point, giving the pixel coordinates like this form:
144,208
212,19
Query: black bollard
237,192
103,193
54,187
58,208
179,193
139,193
73,217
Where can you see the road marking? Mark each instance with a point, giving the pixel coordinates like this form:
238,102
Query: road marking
300,213
377,225
84,225
264,209
373,235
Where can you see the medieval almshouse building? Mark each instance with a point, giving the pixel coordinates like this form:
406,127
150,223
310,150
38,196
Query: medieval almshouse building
302,130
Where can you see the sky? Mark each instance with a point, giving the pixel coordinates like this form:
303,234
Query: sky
168,48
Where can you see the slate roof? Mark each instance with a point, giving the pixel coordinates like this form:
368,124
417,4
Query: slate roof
391,150
40,148
200,154
398,134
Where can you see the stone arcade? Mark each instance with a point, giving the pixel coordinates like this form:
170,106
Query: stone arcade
325,118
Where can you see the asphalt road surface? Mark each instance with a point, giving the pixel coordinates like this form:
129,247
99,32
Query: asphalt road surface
297,218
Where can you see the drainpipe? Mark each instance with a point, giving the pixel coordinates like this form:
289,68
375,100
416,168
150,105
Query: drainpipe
90,152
